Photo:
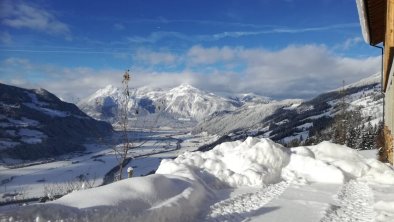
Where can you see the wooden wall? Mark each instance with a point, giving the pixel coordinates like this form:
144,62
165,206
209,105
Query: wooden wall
389,119
388,42
388,72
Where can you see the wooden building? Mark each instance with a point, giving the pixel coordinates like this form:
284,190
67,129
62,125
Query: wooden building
377,22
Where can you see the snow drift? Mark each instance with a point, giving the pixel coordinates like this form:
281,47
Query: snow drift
182,188
253,162
332,163
259,162
151,198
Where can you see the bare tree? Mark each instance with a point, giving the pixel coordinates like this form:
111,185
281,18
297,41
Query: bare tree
122,151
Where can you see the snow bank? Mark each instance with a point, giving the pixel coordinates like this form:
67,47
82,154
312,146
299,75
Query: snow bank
151,198
254,162
332,163
346,159
308,169
258,162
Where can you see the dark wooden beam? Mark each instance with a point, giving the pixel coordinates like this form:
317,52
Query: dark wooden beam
376,17
388,43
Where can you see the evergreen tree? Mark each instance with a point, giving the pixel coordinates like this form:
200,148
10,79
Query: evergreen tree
340,122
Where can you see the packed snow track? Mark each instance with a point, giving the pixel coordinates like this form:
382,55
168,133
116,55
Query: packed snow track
355,203
239,207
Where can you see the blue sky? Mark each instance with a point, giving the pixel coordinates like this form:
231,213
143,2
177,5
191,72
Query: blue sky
277,48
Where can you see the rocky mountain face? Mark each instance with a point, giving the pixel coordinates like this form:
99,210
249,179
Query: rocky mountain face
36,124
184,102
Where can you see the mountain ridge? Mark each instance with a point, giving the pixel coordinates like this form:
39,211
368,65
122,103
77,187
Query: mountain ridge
35,124
301,120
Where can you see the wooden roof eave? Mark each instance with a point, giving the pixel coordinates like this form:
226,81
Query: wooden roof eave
372,14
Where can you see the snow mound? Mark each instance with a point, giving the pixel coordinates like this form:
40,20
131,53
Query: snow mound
150,198
154,189
254,162
259,162
308,169
332,163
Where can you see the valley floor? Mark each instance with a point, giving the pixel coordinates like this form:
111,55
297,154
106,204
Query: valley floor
23,181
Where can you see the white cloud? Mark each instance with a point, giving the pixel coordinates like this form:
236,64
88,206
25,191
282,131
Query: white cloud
302,71
293,72
200,55
349,43
352,42
18,14
64,82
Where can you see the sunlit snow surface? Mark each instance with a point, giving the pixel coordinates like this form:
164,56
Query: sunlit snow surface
253,180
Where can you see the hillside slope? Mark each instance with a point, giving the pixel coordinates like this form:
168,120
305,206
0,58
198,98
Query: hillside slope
295,119
248,117
36,124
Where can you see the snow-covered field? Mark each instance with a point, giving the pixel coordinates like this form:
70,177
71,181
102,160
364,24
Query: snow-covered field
25,181
251,180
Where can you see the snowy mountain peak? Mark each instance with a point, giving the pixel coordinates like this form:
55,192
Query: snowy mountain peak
109,89
185,87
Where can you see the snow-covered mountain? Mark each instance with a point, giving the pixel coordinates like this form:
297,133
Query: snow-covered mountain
181,102
36,124
103,104
187,101
296,119
247,98
246,114
249,116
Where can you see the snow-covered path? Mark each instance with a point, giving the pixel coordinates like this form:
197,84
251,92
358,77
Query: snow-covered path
354,203
238,208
